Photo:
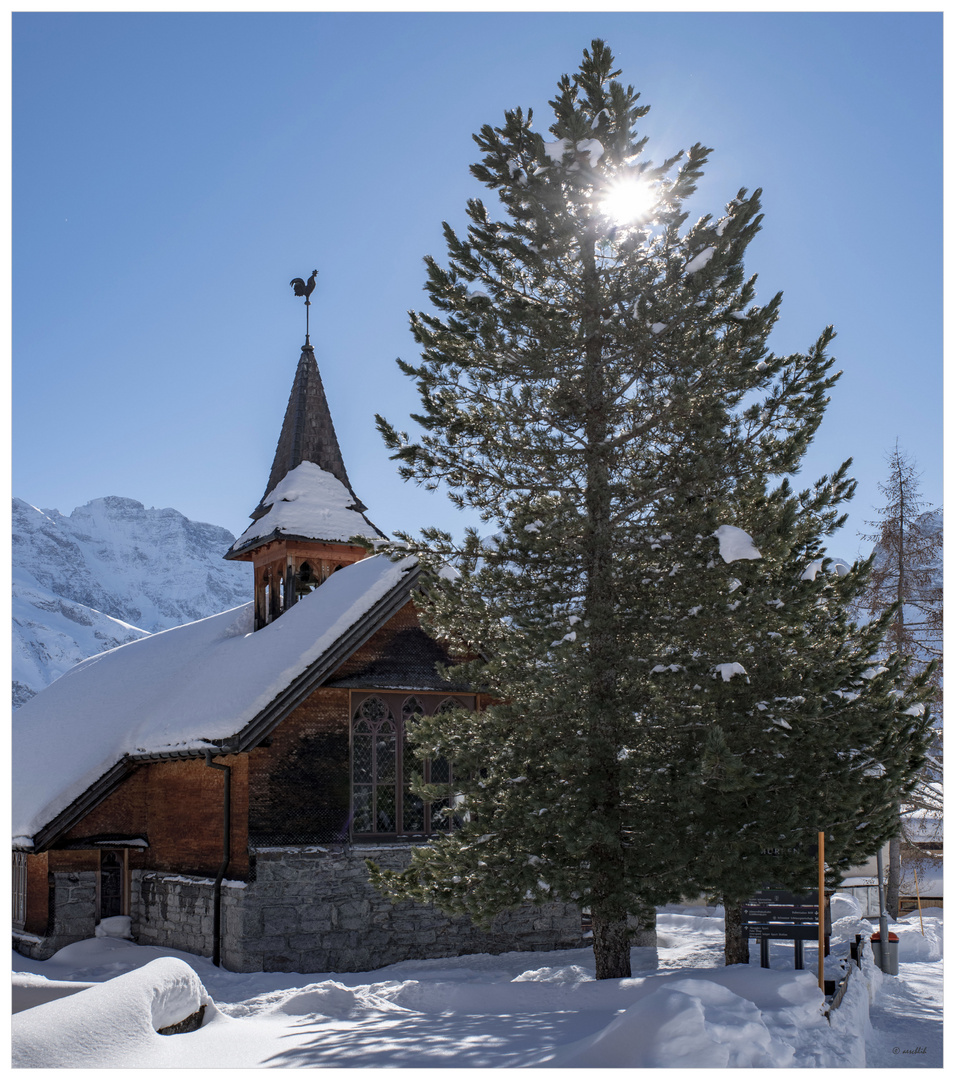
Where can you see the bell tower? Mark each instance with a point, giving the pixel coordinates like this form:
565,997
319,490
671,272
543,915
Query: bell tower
302,527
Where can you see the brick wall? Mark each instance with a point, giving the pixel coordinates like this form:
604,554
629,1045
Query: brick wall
184,816
177,805
299,783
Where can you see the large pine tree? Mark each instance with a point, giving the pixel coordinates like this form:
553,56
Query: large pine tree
595,380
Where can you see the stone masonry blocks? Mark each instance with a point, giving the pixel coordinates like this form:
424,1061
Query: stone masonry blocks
315,910
309,910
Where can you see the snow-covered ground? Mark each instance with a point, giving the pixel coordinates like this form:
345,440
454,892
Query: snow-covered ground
681,1008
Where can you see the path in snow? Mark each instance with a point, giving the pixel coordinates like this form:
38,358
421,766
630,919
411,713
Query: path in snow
906,1020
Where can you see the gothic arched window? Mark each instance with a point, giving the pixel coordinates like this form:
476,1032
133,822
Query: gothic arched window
384,767
374,768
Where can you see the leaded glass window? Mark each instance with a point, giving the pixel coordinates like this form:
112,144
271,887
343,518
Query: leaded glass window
374,765
414,817
384,767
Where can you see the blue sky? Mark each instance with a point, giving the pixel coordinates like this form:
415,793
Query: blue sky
172,173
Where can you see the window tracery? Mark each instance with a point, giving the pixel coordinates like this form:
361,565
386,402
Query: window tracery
384,767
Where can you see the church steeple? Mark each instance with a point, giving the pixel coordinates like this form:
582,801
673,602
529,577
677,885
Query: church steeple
308,433
302,527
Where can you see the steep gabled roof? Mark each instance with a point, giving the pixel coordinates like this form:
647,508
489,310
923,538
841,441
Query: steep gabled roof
209,685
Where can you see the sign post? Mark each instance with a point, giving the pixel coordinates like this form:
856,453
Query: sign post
822,900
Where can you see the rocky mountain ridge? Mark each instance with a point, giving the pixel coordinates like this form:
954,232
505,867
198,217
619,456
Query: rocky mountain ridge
108,573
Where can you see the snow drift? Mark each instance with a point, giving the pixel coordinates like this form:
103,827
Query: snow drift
111,1025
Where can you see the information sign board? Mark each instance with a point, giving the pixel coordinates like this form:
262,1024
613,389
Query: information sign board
777,914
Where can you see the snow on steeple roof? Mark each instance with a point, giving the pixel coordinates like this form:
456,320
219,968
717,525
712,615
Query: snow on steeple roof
308,504
188,688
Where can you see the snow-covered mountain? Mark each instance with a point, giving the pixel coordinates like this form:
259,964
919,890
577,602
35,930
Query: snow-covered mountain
110,572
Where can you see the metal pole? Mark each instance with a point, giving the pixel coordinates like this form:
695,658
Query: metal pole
822,909
883,915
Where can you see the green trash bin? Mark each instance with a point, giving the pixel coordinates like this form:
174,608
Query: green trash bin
891,965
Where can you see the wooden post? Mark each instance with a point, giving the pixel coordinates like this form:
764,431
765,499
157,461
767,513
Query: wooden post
822,910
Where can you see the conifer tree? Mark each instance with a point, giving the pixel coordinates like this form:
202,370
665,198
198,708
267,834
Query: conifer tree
907,578
595,380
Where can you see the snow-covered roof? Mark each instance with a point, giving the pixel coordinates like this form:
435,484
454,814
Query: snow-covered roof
922,824
187,688
310,504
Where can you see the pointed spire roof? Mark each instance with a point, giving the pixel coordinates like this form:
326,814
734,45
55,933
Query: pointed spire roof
308,496
308,433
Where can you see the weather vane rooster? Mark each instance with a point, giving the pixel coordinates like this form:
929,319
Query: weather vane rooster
305,288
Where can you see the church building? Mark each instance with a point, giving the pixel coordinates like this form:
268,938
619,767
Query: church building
220,784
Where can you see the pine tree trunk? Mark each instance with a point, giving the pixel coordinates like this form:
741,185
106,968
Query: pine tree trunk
608,895
611,942
735,943
895,878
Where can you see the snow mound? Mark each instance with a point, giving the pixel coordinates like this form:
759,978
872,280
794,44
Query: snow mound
112,1025
916,946
689,1023
119,926
927,912
96,958
679,924
843,905
326,999
846,928
573,973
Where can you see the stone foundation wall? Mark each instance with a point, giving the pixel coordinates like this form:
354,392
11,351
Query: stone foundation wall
73,903
173,910
314,910
308,910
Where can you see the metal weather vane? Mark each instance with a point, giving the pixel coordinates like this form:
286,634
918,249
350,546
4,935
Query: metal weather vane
303,288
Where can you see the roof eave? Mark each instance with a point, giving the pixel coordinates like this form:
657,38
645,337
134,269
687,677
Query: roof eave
277,534
109,781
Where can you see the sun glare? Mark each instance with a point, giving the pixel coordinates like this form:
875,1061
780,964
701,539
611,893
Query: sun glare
628,200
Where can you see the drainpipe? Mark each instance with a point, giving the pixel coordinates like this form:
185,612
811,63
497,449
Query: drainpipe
226,854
